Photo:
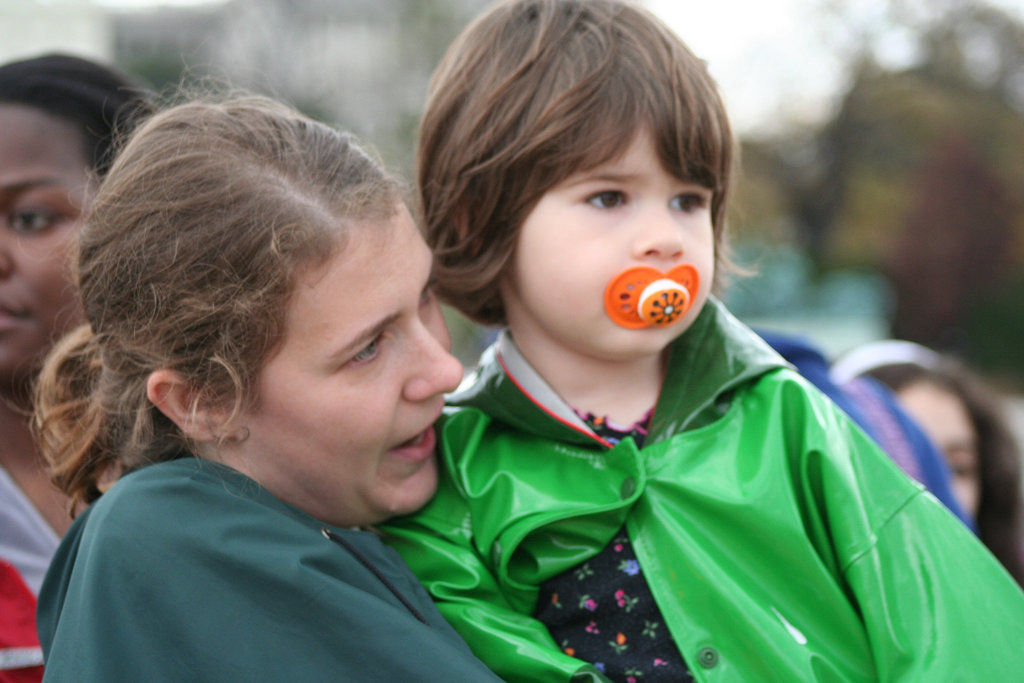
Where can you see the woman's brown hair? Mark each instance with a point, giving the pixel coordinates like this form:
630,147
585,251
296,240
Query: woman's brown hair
535,90
187,262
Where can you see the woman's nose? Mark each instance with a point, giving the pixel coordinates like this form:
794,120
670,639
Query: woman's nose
437,370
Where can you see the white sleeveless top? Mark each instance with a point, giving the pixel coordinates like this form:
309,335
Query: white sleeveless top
26,540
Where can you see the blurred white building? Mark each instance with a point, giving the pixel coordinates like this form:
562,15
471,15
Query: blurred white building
31,27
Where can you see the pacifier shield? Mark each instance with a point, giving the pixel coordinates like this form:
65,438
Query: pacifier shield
643,296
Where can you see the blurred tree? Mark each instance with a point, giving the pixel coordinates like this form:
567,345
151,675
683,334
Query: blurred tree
846,183
919,164
955,245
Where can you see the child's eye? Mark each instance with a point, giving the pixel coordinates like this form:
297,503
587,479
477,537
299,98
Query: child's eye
608,199
690,202
31,221
368,353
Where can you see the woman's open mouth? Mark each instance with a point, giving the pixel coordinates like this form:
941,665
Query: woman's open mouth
419,447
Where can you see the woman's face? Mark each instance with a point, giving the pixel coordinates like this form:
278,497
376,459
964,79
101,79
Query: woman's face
343,427
946,421
44,187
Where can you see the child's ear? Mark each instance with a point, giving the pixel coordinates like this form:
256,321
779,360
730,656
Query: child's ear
175,398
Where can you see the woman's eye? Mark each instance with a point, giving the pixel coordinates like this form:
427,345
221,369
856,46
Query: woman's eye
690,202
31,221
607,200
369,352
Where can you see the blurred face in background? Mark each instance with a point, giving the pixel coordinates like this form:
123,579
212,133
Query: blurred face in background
44,187
946,421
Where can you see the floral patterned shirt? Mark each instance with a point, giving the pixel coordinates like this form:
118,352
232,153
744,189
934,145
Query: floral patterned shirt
603,612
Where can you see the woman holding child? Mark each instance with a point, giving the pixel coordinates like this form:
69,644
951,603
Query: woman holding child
261,366
633,487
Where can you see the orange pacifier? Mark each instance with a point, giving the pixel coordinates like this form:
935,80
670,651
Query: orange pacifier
644,296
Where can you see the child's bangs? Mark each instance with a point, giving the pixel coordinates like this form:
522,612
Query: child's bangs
604,133
673,98
688,123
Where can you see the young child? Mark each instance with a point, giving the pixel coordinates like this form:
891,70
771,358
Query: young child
636,487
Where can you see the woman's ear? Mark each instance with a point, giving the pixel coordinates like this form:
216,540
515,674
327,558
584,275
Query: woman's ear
176,399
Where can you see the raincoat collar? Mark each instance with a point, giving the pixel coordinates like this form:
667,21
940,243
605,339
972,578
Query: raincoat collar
706,363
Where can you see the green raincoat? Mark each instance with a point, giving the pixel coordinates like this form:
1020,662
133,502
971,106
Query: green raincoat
189,571
779,542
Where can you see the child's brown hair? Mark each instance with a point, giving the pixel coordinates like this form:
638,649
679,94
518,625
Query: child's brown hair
534,91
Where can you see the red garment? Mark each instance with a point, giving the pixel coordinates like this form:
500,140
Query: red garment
19,644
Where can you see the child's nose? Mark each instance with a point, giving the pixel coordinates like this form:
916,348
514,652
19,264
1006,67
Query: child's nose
658,238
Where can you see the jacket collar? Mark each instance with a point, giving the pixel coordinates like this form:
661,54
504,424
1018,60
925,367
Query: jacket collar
706,364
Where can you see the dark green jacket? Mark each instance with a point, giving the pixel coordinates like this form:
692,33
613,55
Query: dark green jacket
779,543
189,571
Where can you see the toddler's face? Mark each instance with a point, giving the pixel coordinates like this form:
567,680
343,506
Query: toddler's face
588,229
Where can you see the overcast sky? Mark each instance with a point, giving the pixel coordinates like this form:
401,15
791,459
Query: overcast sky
767,56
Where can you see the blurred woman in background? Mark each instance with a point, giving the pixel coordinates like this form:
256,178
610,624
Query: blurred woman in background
58,119
964,418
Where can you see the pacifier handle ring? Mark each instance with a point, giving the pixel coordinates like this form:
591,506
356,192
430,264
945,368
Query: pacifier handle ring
663,302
